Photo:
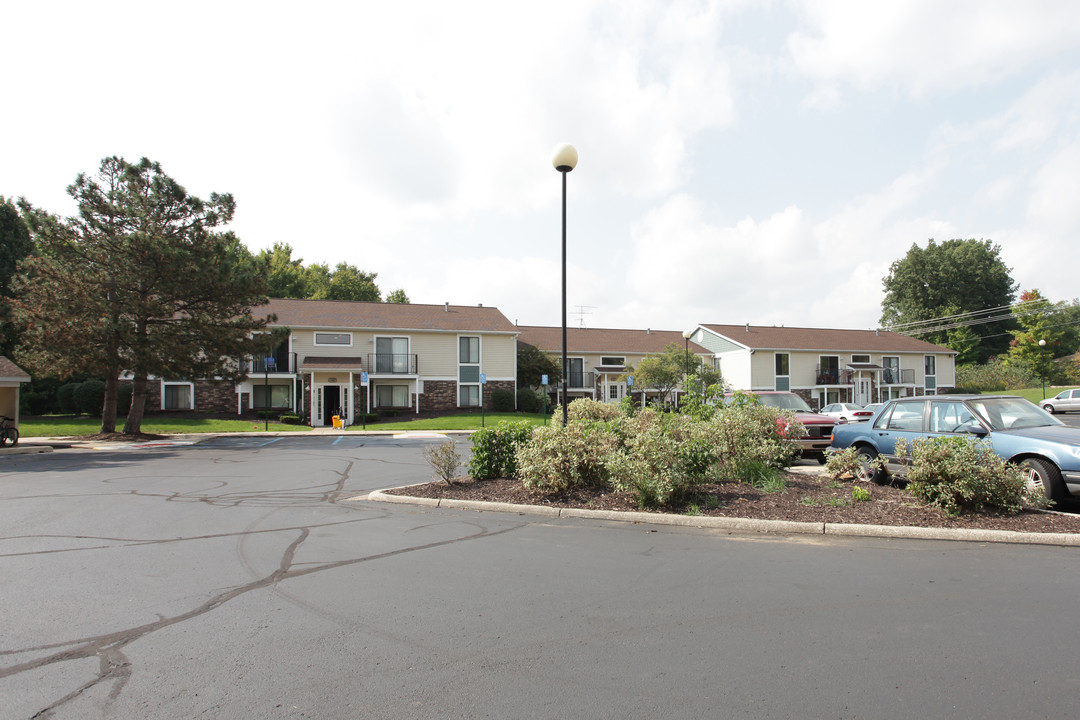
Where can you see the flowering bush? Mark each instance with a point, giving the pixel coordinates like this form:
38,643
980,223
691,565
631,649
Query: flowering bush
744,432
662,458
960,473
587,409
560,458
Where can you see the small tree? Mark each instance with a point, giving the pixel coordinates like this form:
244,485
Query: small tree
533,363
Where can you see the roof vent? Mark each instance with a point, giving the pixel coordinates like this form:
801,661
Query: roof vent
648,331
447,307
747,327
479,304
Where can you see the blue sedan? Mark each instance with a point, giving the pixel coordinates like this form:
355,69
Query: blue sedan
1019,431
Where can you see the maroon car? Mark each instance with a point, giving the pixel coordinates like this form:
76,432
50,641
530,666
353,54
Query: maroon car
819,428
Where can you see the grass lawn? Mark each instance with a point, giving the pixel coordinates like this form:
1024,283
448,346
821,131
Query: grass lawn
67,426
463,421
1033,394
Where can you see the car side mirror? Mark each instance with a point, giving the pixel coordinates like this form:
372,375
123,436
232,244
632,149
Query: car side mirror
975,429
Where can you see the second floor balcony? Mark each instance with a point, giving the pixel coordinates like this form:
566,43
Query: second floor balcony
280,362
581,380
896,376
392,364
833,376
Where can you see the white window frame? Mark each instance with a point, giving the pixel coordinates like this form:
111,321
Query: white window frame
332,344
479,349
479,394
777,376
381,385
174,383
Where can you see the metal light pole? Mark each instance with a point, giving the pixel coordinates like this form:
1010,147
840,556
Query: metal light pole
1042,366
686,366
564,158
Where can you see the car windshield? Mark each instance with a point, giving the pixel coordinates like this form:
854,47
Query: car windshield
785,401
1011,413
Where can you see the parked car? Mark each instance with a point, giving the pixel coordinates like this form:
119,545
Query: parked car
1019,431
1064,401
819,428
846,412
873,408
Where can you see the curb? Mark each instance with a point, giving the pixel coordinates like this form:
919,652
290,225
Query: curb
25,450
747,525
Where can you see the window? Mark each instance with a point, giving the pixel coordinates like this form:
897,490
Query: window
391,395
905,416
279,396
613,392
469,350
783,379
860,358
575,375
890,375
930,364
616,361
324,338
468,395
176,396
949,417
392,355
830,370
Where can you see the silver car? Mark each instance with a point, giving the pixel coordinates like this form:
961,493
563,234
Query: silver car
1064,401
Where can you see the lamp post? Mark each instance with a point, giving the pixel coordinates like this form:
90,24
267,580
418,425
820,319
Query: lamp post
1042,367
564,158
686,366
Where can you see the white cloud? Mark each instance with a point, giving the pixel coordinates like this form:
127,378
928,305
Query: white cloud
926,46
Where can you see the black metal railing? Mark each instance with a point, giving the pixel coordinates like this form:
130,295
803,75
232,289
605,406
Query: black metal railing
579,380
392,364
282,362
896,376
833,376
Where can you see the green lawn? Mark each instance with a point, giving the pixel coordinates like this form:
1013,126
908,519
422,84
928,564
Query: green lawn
1033,394
463,421
67,426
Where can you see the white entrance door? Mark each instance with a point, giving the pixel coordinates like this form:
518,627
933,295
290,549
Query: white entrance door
862,391
616,391
330,400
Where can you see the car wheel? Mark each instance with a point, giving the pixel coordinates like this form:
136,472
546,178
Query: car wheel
1043,475
869,468
1048,408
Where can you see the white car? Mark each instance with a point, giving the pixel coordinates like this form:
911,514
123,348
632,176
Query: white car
846,412
1064,401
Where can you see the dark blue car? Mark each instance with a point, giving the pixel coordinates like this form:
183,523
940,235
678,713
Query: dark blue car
1019,431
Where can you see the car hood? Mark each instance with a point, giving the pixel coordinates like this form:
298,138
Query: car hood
1053,433
811,418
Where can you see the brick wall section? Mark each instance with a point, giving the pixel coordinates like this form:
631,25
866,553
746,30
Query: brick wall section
439,396
497,385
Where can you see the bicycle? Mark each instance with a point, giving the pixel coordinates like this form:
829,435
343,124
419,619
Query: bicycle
8,431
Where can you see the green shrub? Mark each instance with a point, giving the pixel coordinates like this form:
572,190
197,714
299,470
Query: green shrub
961,473
289,419
745,432
65,398
90,397
494,450
36,402
860,494
528,400
502,400
560,458
664,458
759,474
845,463
587,409
267,414
995,376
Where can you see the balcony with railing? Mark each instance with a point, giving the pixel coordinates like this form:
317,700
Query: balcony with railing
896,376
833,376
392,364
581,380
280,362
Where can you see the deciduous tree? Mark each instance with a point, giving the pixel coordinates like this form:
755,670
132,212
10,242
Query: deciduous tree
947,279
533,363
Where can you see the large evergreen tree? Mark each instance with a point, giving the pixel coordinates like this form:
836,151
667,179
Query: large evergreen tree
945,280
141,281
15,244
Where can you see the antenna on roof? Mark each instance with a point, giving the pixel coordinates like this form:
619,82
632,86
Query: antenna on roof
583,310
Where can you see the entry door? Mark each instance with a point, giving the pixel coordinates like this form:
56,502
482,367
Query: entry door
862,391
616,391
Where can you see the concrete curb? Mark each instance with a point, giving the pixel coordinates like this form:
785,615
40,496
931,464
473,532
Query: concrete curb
25,450
744,525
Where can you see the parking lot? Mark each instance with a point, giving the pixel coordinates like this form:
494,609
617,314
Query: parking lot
243,577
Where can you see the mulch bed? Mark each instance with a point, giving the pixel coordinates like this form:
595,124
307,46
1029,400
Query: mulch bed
807,498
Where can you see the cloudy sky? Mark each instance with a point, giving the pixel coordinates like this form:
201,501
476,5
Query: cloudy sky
740,161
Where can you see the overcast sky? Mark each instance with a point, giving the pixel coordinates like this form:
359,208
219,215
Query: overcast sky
758,162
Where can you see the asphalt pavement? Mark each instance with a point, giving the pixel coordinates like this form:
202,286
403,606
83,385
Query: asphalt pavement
239,578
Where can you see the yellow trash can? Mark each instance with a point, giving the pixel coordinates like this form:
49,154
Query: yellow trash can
337,421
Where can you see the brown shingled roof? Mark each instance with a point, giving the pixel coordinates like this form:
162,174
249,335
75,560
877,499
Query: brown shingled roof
793,338
9,369
601,340
384,316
